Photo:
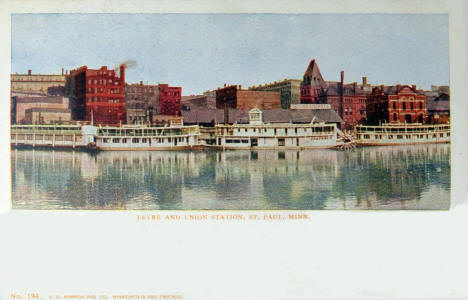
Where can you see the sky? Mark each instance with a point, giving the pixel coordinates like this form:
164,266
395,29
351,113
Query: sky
202,52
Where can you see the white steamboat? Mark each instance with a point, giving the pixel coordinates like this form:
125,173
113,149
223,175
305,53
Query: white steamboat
258,135
401,134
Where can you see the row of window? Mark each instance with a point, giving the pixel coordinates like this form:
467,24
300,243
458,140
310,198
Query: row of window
408,105
103,81
144,140
289,130
101,90
237,141
139,89
101,99
399,137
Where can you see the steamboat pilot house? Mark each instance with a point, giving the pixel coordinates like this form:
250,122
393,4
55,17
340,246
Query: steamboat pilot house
259,135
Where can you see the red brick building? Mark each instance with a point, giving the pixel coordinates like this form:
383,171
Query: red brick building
97,95
396,104
169,100
353,108
235,97
312,83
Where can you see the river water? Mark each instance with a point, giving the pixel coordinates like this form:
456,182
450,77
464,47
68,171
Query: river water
401,177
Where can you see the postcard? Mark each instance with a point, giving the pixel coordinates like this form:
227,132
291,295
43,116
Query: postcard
223,152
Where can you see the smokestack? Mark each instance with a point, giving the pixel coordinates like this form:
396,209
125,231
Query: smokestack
62,71
364,80
141,82
122,73
341,94
29,72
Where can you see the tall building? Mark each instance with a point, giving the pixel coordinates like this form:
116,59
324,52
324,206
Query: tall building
35,83
141,102
312,83
97,95
289,89
235,97
170,100
396,104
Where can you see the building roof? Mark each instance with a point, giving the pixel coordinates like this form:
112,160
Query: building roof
394,89
333,89
314,75
43,99
46,110
196,116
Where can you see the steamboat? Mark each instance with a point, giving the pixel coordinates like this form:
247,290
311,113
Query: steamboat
135,137
259,135
401,134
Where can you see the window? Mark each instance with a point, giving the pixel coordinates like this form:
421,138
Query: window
394,105
404,105
411,105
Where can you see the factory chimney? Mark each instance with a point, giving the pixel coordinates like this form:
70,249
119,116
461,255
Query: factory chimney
341,94
122,73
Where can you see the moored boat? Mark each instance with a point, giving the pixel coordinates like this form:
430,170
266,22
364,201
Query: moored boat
401,134
147,138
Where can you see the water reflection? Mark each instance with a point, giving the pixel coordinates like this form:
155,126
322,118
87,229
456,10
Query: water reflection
403,177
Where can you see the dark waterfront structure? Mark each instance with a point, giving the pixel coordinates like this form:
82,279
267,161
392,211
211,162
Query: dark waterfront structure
97,95
141,102
289,89
396,104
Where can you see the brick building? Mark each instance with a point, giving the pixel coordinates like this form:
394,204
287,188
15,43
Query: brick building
42,115
207,100
97,95
35,83
396,104
22,104
141,102
348,100
289,89
235,97
312,83
170,100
